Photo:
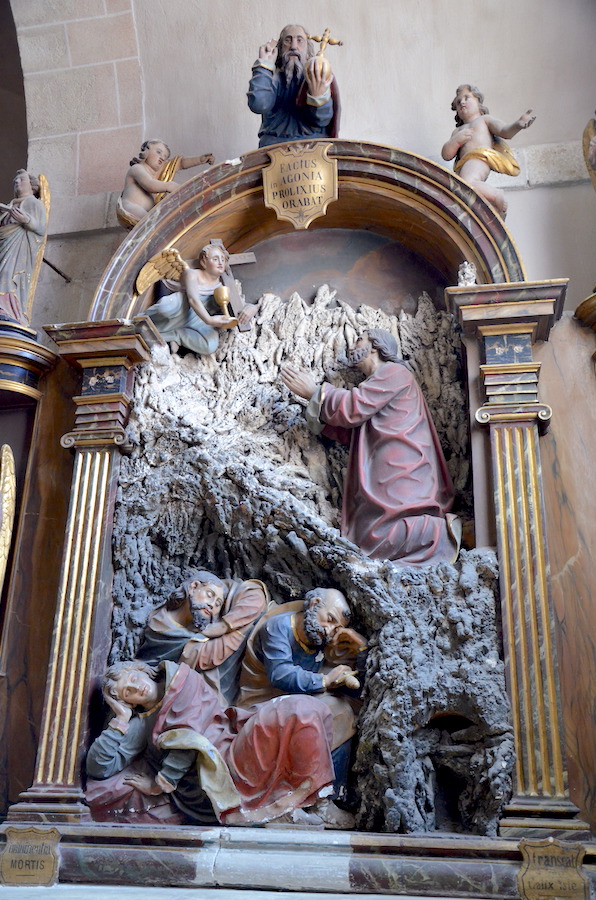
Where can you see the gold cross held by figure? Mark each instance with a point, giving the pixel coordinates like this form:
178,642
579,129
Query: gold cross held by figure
323,40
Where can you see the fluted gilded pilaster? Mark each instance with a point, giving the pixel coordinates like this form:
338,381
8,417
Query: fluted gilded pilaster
107,353
506,320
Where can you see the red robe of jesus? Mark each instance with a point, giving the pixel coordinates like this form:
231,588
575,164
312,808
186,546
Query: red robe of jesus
397,489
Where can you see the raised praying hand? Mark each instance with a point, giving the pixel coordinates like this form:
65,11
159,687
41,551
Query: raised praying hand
298,380
268,51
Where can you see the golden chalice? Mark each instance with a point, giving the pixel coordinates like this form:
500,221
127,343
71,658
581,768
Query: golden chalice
221,295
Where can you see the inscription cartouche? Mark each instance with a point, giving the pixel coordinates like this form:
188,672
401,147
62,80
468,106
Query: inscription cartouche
552,870
30,856
300,182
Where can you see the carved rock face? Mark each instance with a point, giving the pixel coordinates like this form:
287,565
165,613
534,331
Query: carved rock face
225,476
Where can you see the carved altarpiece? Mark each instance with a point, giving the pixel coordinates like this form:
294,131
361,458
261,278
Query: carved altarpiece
425,208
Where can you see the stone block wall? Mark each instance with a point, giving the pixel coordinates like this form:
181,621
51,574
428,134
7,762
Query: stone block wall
82,77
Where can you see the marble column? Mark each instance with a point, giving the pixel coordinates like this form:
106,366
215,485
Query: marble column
505,320
106,352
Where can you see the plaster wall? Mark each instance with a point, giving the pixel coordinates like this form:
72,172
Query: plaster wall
100,75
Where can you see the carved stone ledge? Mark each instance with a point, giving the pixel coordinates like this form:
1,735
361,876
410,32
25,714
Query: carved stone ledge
124,341
281,859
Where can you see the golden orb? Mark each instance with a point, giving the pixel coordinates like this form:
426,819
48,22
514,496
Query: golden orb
318,67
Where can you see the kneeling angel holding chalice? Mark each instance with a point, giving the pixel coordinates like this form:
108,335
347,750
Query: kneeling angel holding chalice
197,311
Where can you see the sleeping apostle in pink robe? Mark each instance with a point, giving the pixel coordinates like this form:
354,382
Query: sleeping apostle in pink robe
216,764
397,490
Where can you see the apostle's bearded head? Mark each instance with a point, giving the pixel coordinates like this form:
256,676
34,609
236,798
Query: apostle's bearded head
325,610
200,617
199,600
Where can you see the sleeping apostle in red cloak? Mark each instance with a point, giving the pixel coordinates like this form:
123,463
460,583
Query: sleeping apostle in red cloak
205,623
173,754
397,490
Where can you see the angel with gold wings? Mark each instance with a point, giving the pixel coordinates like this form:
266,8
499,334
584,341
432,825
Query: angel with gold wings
189,317
23,232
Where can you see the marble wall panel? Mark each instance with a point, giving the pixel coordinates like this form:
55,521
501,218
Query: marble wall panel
568,385
33,588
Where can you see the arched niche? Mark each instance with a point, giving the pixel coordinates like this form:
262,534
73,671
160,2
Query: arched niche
410,200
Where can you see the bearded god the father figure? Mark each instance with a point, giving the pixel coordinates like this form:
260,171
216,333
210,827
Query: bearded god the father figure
397,490
294,102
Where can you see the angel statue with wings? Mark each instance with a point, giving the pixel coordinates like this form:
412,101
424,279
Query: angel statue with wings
191,317
23,232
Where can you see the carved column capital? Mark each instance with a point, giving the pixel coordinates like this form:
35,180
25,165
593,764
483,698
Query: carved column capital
106,352
533,414
506,320
507,305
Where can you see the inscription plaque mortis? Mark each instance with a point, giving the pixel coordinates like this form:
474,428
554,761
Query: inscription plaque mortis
300,182
552,871
30,856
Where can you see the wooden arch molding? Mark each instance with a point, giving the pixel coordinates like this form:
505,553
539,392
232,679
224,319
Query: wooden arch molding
390,192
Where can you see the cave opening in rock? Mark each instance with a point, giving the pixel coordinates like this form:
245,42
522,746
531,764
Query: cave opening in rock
449,757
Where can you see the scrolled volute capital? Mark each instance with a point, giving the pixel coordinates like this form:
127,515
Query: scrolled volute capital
501,414
96,439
